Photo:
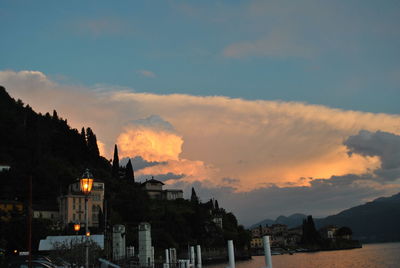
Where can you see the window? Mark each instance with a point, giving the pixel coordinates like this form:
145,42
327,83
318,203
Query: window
73,216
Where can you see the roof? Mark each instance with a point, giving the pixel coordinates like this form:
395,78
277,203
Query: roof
51,241
152,181
173,190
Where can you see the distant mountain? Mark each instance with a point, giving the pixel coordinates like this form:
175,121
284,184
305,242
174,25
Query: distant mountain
376,221
291,221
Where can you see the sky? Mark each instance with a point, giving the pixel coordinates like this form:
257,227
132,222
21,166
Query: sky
271,107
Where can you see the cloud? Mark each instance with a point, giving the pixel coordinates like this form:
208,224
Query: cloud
96,27
276,44
147,73
322,198
139,163
382,144
255,156
257,142
150,144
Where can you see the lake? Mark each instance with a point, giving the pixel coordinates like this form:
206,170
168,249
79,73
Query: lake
385,255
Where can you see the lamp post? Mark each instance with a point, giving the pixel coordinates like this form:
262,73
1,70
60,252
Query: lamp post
86,183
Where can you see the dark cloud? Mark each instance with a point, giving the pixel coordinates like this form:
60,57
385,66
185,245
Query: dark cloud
154,121
322,198
382,144
139,163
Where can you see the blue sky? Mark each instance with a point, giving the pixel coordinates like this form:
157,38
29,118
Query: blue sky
343,54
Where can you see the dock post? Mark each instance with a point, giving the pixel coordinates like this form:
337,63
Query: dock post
231,254
192,260
267,252
166,259
198,254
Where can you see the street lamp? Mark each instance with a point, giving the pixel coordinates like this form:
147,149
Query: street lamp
86,183
77,227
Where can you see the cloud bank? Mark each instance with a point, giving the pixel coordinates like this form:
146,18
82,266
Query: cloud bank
271,157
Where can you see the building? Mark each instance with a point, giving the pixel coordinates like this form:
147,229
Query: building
72,205
4,167
154,189
8,208
47,213
328,232
217,219
256,242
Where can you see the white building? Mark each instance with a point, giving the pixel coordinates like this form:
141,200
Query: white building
72,205
154,189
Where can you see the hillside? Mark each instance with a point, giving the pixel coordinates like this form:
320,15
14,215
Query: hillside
44,147
376,221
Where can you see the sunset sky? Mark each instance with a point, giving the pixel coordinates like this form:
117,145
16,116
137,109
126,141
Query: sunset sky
271,107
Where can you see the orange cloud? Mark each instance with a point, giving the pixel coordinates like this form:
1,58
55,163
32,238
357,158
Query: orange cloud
151,145
250,142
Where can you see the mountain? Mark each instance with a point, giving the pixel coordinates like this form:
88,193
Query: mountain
291,221
376,221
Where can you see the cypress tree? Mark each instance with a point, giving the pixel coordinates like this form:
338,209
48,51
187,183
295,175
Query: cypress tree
115,163
193,197
129,174
83,136
216,205
55,115
92,143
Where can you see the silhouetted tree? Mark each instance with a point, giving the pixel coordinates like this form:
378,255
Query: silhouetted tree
216,205
310,234
344,231
92,143
115,163
129,174
193,197
55,116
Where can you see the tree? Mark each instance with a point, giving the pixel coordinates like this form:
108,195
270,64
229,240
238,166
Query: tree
74,251
310,234
92,143
193,197
55,116
115,163
216,205
129,174
344,232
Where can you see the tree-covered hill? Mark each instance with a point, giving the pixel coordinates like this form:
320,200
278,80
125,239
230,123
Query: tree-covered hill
44,147
376,221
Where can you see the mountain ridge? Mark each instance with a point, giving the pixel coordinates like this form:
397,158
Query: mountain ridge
374,221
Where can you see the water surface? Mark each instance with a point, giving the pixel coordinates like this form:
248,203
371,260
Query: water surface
385,255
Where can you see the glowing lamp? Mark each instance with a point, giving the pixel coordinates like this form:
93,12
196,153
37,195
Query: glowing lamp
88,234
86,182
77,227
